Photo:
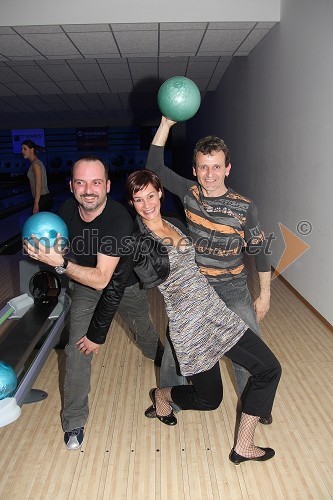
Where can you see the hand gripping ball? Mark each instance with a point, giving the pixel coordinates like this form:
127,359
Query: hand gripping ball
45,226
178,98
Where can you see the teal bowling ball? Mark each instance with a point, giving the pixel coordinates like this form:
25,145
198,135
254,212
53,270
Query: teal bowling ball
8,380
178,98
45,226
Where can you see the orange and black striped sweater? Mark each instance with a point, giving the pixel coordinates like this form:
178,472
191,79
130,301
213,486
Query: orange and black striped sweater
221,228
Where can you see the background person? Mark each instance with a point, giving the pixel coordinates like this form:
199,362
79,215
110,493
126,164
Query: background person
37,176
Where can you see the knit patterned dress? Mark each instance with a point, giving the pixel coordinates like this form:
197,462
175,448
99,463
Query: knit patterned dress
202,328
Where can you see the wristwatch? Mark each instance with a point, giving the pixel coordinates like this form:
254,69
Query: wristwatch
62,269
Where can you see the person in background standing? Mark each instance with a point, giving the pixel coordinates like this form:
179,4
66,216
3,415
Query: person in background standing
37,176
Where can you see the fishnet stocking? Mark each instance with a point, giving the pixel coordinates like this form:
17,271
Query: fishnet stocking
245,439
163,400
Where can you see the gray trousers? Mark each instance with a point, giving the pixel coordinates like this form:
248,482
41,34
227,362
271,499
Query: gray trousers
134,310
237,297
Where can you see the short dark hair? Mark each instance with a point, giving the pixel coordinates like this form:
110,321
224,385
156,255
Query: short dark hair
210,143
90,158
139,180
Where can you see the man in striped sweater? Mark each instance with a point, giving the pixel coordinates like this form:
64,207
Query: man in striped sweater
221,223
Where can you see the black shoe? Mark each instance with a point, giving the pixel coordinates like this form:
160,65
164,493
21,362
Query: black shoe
74,438
159,354
238,459
151,412
266,420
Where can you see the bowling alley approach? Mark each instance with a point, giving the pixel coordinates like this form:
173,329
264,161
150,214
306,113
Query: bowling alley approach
166,325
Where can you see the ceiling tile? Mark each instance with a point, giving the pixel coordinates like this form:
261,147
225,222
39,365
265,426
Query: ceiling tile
112,60
146,55
116,71
111,101
120,85
32,73
232,26
14,45
252,40
134,27
125,99
52,44
6,30
73,101
137,42
95,85
226,54
220,69
6,108
143,70
122,114
7,75
78,106
146,85
200,69
262,25
19,103
22,88
85,28
204,59
180,41
55,102
223,40
167,70
182,26
28,58
37,103
143,59
87,71
59,72
65,57
4,91
177,58
202,83
46,87
94,102
72,87
101,56
94,43
38,29
14,64
213,84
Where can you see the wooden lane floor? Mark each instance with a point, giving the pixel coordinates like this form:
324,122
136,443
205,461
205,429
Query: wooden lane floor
127,456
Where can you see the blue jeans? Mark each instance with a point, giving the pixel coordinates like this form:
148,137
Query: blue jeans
134,310
237,297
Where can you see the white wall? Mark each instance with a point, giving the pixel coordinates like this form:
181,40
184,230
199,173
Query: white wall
39,12
275,111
